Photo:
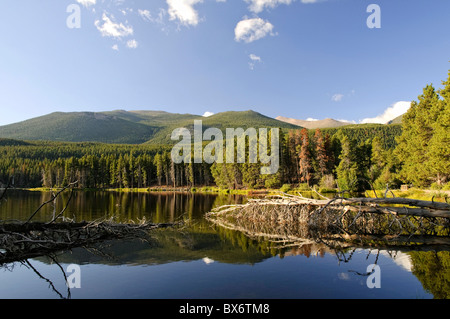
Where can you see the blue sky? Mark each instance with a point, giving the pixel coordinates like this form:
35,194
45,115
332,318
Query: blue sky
295,58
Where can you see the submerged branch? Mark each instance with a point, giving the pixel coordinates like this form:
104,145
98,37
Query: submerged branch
22,240
19,241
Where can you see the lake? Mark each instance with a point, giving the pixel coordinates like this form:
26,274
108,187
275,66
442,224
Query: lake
205,261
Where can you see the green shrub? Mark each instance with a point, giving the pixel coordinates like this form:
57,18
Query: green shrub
435,186
303,187
273,182
285,188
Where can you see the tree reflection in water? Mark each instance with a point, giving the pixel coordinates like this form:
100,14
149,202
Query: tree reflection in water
429,258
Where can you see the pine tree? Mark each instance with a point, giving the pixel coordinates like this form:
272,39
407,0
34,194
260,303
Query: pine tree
347,175
321,155
362,157
158,162
305,162
112,173
166,159
121,173
47,176
131,167
328,145
293,144
418,130
190,173
389,173
439,145
251,177
378,159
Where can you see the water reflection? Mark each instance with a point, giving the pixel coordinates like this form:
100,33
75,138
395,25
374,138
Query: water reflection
207,261
177,255
160,207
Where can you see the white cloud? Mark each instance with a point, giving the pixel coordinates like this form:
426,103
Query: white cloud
257,6
207,114
253,60
145,14
249,30
112,29
115,47
311,119
126,11
390,113
132,44
343,276
183,10
117,2
254,57
401,259
158,19
207,260
86,3
337,97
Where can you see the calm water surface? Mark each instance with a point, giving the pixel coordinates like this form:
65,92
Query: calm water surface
205,261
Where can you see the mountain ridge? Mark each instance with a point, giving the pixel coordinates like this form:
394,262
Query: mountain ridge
145,126
127,127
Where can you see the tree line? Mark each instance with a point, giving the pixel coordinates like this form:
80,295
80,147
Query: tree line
306,156
351,157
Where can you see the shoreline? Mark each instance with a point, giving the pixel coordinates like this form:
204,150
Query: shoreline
162,189
417,193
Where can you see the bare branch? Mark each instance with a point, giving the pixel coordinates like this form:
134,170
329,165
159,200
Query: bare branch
53,197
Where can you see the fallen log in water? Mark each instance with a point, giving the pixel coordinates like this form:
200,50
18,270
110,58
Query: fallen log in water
296,218
20,241
370,205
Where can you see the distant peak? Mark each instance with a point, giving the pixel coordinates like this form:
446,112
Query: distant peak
313,123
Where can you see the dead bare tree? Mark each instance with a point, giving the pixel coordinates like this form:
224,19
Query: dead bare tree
8,185
52,199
